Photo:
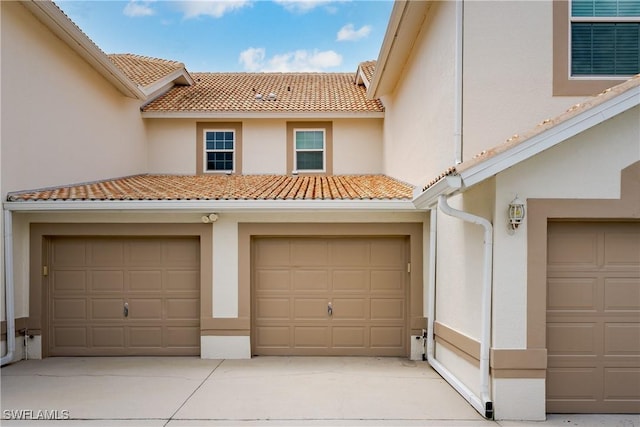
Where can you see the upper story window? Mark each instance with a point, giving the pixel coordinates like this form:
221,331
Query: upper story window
310,150
596,45
605,37
219,146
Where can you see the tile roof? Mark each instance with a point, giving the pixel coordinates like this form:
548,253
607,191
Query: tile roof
368,67
294,93
144,70
543,126
227,187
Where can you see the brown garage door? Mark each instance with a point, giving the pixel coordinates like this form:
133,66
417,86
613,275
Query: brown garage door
124,296
593,318
324,296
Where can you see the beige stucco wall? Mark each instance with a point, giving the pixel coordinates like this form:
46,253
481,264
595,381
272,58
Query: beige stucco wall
62,122
419,127
357,146
508,65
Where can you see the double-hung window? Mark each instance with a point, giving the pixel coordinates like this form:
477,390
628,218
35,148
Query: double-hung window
219,147
605,37
309,150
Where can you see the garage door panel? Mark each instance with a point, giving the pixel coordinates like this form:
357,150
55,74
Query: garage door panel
311,336
157,277
273,337
387,309
112,337
145,280
182,280
107,309
106,280
183,309
69,253
273,309
388,252
621,383
386,280
349,337
593,326
310,280
622,339
622,294
572,338
386,336
345,253
273,280
145,309
350,309
310,308
572,294
309,253
273,253
350,280
69,309
69,280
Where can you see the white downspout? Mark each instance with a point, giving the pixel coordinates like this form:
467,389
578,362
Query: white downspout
458,82
483,404
431,290
8,288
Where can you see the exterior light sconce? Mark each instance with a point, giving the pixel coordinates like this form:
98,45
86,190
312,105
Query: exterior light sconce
516,214
209,218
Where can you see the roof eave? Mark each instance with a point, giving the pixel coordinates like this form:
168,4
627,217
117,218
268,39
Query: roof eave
404,25
484,169
54,19
428,198
261,115
158,88
382,205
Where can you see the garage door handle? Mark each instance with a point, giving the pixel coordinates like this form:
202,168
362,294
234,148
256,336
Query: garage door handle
330,309
126,309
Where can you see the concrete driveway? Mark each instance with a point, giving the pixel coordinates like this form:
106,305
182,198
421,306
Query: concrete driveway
282,391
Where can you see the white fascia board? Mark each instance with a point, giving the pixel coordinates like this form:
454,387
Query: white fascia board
429,198
54,19
212,205
551,137
160,87
259,115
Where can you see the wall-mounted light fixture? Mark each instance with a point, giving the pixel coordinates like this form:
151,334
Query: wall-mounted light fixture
516,214
212,217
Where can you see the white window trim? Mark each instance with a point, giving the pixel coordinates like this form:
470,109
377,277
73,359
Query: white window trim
595,19
296,150
233,151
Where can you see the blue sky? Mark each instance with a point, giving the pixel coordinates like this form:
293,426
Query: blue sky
239,35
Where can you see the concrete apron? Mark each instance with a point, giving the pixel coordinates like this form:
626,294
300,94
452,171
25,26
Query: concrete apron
191,391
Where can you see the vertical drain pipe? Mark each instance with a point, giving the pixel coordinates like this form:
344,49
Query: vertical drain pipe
431,291
8,288
458,82
483,404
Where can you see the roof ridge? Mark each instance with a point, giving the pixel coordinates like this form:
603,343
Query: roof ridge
146,58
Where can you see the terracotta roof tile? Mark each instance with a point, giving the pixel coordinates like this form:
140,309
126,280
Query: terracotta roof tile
368,67
144,70
227,187
294,92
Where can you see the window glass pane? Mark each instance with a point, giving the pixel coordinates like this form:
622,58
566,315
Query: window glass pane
605,48
306,140
220,161
309,160
604,8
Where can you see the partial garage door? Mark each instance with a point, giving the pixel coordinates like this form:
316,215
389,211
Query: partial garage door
593,318
123,296
329,296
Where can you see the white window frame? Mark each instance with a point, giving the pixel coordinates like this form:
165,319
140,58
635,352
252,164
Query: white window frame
296,150
205,169
593,19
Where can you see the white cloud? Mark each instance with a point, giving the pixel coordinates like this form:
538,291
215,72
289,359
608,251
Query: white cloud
137,8
349,33
302,6
254,59
212,8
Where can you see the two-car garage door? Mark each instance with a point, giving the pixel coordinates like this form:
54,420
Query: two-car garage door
329,296
123,296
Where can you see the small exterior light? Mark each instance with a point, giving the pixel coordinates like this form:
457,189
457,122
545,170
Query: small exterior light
516,214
